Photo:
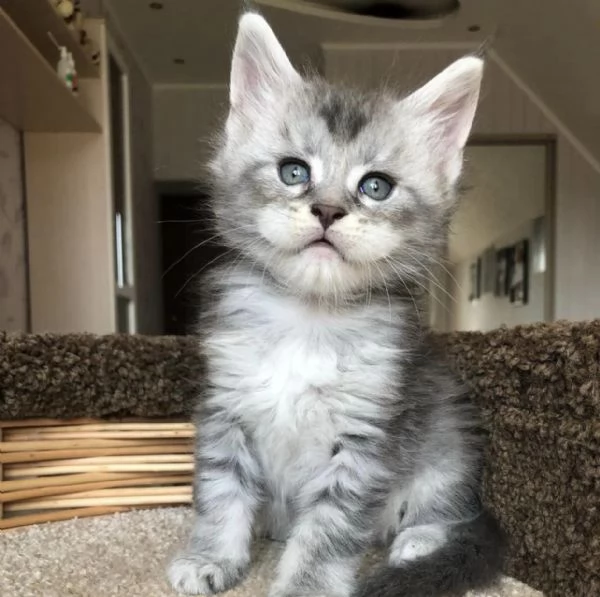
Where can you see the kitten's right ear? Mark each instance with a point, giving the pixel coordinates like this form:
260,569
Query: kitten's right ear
260,69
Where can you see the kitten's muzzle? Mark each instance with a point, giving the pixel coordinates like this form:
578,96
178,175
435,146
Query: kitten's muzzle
327,214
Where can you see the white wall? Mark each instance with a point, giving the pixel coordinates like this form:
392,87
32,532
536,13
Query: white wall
13,262
184,119
69,220
505,186
489,311
507,108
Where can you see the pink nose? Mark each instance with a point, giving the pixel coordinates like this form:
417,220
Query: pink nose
327,214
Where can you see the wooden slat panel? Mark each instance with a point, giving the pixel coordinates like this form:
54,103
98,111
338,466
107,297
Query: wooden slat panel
59,478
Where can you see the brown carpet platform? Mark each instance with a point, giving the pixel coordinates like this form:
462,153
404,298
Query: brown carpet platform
538,388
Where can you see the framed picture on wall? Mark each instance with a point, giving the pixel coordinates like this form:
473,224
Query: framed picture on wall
519,273
488,273
503,260
475,280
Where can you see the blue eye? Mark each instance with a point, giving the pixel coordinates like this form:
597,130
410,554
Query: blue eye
294,172
376,186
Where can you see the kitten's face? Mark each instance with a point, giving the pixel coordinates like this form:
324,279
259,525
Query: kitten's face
335,192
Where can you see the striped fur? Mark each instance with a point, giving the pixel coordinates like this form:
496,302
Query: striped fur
327,421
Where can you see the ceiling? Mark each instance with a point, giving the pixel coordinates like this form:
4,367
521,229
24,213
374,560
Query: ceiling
553,45
202,32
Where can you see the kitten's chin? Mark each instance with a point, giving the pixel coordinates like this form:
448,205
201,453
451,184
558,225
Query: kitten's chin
319,271
322,250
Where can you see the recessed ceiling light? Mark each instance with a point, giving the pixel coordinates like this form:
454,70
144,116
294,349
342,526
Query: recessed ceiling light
156,5
473,28
179,60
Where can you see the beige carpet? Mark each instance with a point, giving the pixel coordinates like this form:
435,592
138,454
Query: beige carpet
123,555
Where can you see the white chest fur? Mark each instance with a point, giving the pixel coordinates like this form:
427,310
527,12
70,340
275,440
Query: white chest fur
298,376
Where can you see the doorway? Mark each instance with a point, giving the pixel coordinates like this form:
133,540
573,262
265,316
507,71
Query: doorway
189,249
499,265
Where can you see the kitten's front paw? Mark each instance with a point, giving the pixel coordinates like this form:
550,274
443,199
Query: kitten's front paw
195,574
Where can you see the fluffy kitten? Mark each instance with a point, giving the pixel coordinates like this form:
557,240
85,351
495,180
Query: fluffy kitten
325,415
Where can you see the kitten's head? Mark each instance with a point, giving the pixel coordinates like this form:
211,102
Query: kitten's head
333,192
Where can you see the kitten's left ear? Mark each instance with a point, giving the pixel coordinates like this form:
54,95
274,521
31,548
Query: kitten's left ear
260,69
447,105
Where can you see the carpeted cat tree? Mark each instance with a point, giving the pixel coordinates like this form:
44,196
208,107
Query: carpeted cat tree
95,432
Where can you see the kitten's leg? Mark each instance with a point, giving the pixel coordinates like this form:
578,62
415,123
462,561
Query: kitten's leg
416,542
227,494
421,515
336,524
409,538
429,522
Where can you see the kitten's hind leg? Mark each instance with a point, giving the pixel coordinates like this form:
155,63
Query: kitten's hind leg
227,494
435,552
416,542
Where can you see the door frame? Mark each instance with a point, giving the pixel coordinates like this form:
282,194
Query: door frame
549,142
128,289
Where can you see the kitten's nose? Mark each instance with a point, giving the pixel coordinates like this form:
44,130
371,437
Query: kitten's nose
327,214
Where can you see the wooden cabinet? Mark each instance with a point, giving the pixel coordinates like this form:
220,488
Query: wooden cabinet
67,169
32,97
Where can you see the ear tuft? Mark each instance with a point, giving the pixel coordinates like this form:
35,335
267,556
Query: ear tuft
260,67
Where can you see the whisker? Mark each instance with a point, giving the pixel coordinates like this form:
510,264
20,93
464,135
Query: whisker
450,274
434,280
369,294
203,220
416,281
197,273
437,284
242,254
439,263
412,298
197,246
386,289
262,278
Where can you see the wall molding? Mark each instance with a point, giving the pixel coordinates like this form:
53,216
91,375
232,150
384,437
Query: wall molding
558,124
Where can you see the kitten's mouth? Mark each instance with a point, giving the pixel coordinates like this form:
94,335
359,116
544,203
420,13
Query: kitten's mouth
322,242
324,249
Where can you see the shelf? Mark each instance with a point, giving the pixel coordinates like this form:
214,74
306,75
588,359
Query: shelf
32,97
37,18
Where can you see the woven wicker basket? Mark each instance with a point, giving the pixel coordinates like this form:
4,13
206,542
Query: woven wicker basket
53,470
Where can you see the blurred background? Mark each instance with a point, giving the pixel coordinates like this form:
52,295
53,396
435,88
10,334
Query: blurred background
102,153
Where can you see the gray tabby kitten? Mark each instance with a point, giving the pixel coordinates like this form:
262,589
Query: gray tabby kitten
327,420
